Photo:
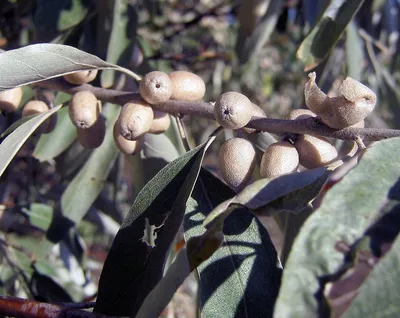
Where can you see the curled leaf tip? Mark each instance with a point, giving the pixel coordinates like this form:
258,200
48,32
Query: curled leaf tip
312,76
354,91
354,103
314,97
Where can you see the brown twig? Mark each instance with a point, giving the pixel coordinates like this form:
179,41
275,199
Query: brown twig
18,307
308,126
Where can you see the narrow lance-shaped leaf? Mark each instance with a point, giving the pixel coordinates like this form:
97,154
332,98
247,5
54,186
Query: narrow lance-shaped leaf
10,146
83,190
248,46
39,62
241,279
289,192
65,134
135,262
341,217
324,35
122,35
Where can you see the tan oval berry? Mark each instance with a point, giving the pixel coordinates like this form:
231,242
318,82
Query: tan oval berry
258,112
160,124
279,158
34,107
187,86
84,109
300,114
155,87
127,147
10,99
93,136
237,159
135,119
82,77
233,110
315,151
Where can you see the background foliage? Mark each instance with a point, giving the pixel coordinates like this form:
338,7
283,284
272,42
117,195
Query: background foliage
64,208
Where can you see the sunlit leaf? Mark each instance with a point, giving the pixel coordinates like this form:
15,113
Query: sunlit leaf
10,146
346,211
39,62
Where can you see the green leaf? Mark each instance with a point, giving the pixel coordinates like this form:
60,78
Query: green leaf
136,259
163,292
248,46
40,215
157,152
324,35
354,52
83,190
346,211
59,15
241,279
65,134
289,192
378,296
39,62
121,39
10,146
15,125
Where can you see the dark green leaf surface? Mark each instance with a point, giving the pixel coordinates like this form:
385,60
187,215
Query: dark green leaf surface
347,210
65,134
136,259
14,141
318,43
59,15
38,62
241,279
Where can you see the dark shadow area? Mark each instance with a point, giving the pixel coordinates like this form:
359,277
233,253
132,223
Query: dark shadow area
247,252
